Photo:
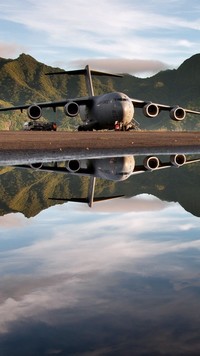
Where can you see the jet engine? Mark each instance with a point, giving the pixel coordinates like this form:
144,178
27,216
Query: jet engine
73,165
36,166
34,112
71,109
151,163
178,160
151,110
177,113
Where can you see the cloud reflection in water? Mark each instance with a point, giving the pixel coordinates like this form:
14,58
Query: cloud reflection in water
116,281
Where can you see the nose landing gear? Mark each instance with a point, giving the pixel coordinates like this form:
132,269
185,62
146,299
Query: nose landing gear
133,125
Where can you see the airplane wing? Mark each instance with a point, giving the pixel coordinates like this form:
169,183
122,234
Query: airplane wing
152,109
51,104
162,165
89,171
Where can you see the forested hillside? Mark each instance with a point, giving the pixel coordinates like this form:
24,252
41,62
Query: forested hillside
23,81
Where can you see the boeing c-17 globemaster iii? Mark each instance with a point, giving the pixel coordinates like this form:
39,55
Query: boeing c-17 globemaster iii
106,111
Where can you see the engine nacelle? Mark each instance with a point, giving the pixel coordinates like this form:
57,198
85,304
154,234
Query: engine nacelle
71,109
151,110
178,160
73,165
151,163
177,113
34,112
36,166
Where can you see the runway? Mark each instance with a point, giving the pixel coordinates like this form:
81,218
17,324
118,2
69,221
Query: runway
21,147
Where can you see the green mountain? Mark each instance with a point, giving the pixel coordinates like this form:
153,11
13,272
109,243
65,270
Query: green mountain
23,80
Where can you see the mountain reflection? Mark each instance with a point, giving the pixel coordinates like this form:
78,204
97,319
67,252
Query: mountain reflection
79,281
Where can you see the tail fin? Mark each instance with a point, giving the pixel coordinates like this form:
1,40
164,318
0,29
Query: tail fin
86,201
90,199
88,76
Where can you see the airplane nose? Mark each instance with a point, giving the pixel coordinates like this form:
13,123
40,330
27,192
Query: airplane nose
128,111
127,168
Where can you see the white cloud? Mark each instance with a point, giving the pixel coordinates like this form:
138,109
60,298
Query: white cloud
141,203
81,30
12,221
108,19
9,49
103,239
122,65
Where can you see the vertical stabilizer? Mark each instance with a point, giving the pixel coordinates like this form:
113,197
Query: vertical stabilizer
88,79
87,72
91,189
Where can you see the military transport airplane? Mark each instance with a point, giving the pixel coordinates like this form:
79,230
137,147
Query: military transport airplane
113,168
105,111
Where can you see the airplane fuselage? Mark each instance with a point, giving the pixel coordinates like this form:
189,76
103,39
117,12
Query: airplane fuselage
112,168
107,109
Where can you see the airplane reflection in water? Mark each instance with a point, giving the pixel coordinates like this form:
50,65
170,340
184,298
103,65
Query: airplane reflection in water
113,168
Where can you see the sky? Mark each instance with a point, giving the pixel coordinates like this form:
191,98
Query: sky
140,38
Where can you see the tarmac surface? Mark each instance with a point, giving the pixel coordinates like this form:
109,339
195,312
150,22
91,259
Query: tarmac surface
21,147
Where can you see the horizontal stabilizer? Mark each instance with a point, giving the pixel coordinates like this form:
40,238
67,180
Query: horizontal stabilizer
96,200
75,200
86,200
85,71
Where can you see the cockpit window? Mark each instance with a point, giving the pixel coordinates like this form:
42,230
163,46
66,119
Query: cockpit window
121,99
